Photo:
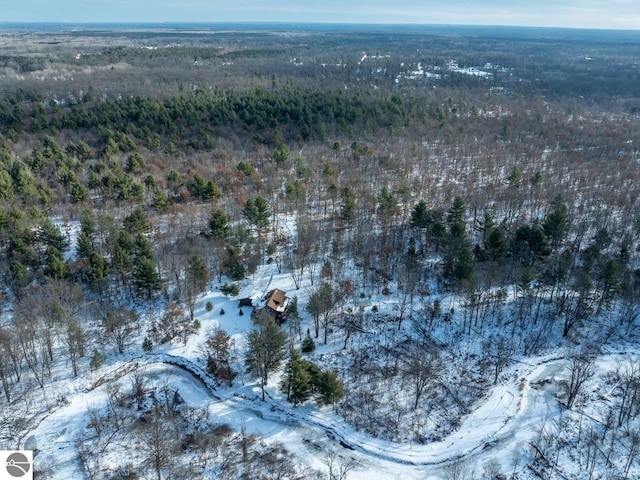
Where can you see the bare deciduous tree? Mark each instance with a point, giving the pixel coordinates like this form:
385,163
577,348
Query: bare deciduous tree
119,326
157,441
498,352
627,379
339,466
421,364
75,339
581,368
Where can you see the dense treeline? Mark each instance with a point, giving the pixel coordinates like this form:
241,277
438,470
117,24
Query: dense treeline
121,160
192,119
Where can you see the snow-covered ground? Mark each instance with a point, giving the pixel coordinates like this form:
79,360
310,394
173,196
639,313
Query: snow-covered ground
498,430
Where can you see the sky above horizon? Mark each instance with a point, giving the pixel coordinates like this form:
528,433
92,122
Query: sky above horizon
609,14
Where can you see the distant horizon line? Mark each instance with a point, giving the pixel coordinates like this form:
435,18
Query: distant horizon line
90,23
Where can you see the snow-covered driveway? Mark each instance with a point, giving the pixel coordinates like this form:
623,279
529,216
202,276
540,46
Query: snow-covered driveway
497,428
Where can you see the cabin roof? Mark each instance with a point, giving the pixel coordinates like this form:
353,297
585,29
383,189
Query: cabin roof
277,300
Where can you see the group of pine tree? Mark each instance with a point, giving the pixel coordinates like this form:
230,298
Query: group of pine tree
106,246
302,379
117,253
196,119
580,283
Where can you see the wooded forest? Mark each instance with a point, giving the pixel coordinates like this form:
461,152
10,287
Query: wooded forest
448,203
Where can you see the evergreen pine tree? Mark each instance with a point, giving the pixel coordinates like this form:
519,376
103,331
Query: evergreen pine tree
263,214
420,216
514,177
458,258
455,218
556,223
79,193
97,359
257,213
387,203
249,211
160,200
51,236
348,208
56,267
196,277
232,264
496,243
137,222
98,269
146,278
484,225
330,388
219,224
84,248
296,382
280,153
147,345
308,345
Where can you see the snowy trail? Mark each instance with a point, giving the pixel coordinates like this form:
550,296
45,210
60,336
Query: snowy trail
505,419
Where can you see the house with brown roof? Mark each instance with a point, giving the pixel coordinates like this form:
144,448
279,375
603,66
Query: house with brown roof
276,303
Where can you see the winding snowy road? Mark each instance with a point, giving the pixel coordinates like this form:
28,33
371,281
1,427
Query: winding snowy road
497,429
